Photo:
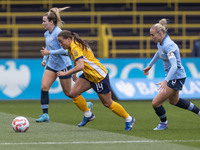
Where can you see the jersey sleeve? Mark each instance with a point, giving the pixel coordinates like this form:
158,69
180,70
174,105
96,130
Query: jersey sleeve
60,51
154,59
173,68
169,50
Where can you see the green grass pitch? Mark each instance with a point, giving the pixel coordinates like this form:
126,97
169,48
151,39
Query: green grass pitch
105,132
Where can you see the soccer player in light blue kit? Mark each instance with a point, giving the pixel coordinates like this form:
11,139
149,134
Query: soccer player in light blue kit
58,61
175,75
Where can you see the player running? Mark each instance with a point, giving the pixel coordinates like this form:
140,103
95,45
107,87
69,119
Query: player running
58,60
95,76
175,75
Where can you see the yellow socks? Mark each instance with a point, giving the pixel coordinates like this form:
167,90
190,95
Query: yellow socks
81,103
119,110
115,107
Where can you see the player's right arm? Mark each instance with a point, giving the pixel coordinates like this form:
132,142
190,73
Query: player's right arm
45,57
153,61
146,70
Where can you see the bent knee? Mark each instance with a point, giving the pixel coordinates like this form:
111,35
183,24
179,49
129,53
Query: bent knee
155,104
72,95
106,105
173,102
45,88
66,93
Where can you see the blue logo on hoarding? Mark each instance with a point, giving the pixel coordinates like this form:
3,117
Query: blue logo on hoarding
14,80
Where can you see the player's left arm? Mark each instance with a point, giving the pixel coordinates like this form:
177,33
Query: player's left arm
172,59
60,51
173,63
77,55
78,67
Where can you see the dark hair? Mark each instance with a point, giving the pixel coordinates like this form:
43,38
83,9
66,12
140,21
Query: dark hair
68,34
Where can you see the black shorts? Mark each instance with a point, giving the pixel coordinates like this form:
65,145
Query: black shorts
176,84
101,87
64,70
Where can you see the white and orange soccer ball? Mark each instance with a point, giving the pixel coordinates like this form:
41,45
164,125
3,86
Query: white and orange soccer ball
20,124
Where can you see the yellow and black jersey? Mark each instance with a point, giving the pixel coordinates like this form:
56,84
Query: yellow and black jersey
93,70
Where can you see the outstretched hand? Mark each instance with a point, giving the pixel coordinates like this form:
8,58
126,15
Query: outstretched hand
44,51
146,70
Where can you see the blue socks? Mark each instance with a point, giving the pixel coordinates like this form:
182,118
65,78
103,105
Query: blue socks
44,101
160,111
185,104
182,103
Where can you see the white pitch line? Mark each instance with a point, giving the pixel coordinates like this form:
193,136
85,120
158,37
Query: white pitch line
101,142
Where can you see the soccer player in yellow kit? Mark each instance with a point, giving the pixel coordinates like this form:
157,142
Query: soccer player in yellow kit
95,76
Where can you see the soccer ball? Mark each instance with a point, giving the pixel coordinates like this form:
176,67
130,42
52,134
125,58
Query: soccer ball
20,124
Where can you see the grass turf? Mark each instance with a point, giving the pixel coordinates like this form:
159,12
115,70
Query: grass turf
183,125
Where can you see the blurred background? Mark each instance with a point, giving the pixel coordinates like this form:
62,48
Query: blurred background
118,28
119,35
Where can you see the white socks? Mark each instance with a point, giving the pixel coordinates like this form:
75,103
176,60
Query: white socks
128,119
198,113
88,113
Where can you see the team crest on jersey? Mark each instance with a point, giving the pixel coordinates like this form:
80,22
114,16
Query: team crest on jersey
75,53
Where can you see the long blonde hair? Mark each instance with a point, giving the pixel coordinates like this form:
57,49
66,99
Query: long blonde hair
161,26
54,14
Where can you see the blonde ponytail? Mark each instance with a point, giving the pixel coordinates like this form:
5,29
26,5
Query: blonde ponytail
54,14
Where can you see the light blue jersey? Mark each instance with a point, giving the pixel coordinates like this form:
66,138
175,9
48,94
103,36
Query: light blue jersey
58,59
168,51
